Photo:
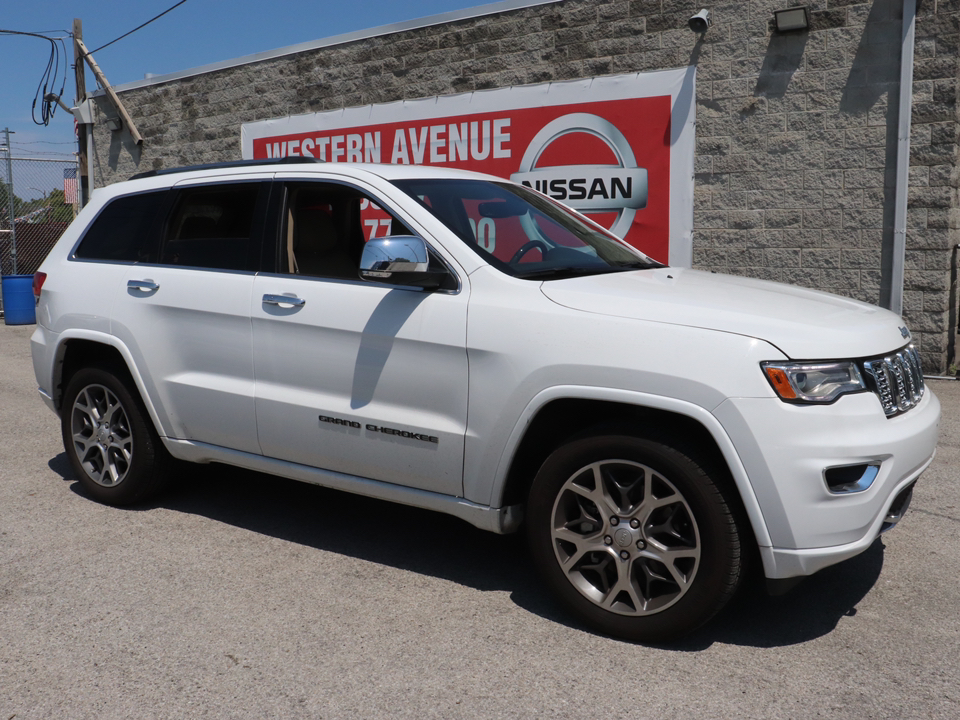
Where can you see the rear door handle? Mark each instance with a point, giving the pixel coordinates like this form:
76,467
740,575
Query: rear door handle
147,285
283,300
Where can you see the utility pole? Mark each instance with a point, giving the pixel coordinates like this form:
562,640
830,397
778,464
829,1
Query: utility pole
82,129
11,210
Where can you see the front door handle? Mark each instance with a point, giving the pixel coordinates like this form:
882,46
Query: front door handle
145,285
283,300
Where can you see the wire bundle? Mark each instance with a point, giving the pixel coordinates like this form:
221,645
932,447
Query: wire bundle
48,81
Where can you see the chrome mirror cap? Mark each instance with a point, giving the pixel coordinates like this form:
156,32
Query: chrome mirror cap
384,257
400,260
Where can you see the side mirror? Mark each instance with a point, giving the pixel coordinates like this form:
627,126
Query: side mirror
401,260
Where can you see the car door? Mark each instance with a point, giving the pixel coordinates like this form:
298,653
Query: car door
356,377
186,316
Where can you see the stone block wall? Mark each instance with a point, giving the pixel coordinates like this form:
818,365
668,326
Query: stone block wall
930,287
796,132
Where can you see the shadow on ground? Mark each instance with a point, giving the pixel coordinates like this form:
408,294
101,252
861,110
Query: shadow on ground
810,610
442,546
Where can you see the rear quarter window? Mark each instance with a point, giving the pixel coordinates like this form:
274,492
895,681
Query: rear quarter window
122,232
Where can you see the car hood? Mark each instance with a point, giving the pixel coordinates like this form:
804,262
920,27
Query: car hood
803,324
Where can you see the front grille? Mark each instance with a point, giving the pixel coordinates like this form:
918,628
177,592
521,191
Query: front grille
897,380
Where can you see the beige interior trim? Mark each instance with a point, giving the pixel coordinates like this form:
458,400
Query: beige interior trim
291,258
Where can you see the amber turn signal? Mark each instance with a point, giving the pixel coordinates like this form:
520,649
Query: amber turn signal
782,386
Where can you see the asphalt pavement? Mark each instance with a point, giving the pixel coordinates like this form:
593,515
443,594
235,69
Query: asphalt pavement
238,595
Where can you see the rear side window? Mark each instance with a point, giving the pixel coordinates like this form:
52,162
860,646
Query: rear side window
123,230
214,227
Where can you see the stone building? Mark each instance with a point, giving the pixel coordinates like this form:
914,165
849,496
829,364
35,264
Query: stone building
796,132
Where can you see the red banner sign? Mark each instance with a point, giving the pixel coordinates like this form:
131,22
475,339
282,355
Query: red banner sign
611,158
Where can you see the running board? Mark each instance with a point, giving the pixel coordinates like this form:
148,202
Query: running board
498,520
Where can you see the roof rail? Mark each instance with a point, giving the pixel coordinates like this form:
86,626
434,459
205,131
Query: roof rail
231,164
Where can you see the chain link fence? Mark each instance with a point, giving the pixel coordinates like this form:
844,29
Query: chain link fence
38,200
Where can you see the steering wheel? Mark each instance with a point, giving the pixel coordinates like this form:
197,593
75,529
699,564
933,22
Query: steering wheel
527,247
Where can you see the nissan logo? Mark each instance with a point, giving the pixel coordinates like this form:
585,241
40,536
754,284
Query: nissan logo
620,188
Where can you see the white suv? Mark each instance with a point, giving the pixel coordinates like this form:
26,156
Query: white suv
461,343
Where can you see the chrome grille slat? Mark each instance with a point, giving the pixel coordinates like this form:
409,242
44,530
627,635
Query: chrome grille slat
897,379
917,367
912,379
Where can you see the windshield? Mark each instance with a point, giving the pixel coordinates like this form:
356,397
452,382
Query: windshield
521,232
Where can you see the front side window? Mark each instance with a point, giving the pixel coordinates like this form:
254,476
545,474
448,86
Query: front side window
214,227
325,226
124,229
522,232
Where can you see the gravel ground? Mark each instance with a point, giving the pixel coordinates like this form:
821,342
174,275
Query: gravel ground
242,595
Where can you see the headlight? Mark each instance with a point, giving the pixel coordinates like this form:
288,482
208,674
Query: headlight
812,382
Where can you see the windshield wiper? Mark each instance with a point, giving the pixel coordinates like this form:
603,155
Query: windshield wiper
639,265
558,273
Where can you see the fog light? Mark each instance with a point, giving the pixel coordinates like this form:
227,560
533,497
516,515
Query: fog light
847,479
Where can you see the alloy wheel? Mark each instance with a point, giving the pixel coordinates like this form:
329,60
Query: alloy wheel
625,537
101,435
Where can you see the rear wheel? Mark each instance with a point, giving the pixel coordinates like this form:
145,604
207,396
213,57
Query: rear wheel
111,443
634,536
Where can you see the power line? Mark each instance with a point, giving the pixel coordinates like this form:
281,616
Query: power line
39,34
49,78
60,154
66,33
138,27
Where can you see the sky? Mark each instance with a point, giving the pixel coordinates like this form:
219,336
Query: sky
199,32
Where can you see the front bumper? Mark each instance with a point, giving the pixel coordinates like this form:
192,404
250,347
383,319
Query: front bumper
786,449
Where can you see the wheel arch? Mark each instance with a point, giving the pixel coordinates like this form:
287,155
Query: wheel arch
560,414
77,351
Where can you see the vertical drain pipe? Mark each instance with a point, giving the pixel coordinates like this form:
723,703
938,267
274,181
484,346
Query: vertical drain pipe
90,162
903,155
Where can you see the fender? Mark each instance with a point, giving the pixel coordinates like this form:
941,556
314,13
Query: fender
639,399
114,342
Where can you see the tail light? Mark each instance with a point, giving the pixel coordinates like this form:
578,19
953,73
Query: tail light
38,280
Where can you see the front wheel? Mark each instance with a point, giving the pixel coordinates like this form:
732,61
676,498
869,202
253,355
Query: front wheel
110,441
634,536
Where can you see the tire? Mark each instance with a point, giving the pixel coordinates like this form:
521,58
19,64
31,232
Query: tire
113,448
634,536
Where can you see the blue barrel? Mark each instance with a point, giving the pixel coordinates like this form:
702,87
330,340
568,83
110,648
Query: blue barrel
19,305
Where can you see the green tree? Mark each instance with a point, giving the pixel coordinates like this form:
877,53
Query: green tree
59,210
17,204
